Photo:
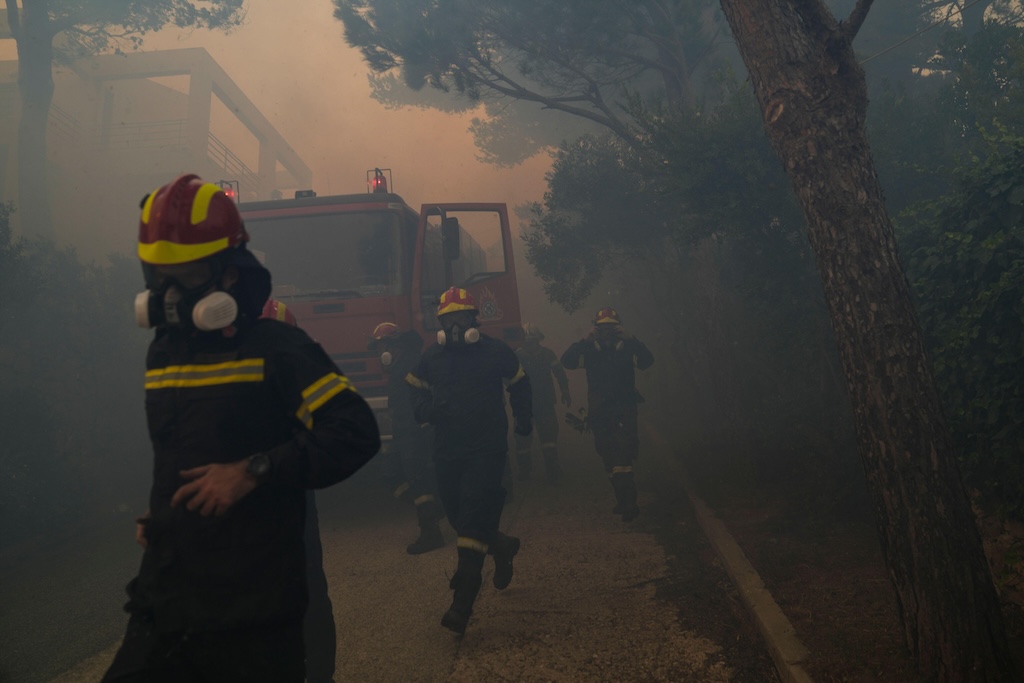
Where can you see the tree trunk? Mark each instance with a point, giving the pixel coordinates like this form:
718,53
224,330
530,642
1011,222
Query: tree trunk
34,37
813,97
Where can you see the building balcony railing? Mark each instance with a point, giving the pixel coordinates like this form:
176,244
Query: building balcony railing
150,135
147,137
63,125
234,168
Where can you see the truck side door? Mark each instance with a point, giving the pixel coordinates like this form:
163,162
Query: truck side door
467,245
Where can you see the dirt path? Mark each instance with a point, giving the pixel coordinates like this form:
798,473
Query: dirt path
593,599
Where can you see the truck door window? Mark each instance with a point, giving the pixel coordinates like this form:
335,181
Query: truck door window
329,256
481,255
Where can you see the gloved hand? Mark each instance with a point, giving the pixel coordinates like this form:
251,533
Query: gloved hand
523,426
566,399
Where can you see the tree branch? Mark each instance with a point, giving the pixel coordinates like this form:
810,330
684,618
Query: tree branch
500,83
852,25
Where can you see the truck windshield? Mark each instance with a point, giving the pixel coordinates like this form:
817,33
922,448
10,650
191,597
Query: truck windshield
330,256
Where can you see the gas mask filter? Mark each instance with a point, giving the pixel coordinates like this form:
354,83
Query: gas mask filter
215,311
168,302
458,336
386,359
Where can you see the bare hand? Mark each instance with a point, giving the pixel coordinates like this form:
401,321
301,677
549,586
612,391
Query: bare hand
214,488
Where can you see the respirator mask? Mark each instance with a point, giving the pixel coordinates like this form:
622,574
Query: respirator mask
607,336
458,331
386,359
180,296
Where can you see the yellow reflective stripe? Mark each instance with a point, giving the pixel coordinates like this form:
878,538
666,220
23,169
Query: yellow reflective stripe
628,469
518,376
471,544
281,308
453,307
402,488
250,370
415,381
318,393
201,204
425,498
164,253
147,206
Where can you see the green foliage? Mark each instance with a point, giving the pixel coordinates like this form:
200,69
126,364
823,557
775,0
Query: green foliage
965,259
74,434
696,175
701,222
949,154
577,57
921,130
90,27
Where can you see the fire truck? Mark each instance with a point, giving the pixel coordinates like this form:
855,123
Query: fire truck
345,263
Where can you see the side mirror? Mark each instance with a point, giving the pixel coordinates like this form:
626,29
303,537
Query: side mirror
450,238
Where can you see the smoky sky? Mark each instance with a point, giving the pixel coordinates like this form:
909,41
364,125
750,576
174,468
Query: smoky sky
292,61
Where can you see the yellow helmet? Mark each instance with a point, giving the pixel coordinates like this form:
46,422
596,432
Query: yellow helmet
456,299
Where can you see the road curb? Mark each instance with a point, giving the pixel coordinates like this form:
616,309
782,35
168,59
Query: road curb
786,650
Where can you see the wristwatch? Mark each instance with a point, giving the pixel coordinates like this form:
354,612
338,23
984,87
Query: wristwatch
258,467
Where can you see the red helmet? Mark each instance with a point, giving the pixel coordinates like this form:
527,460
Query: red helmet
607,316
188,220
456,299
385,331
275,310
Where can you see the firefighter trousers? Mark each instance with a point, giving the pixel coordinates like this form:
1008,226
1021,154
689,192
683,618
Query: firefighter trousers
319,631
265,654
617,442
472,495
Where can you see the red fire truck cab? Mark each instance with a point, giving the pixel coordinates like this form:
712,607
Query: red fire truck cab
345,263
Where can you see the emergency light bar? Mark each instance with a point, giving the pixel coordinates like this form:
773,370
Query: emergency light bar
379,181
303,194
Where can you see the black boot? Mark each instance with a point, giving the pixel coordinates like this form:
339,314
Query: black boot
431,538
466,584
504,550
625,495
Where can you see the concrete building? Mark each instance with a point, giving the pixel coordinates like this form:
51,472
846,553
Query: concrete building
121,125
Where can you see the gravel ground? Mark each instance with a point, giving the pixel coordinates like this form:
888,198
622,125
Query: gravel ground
593,599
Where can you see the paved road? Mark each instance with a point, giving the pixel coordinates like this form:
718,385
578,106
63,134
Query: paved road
593,599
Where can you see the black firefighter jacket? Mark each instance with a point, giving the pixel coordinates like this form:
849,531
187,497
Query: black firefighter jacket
214,399
460,390
611,380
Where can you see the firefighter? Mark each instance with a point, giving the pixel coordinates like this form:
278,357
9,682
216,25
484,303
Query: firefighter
540,364
609,354
320,634
399,353
245,415
458,388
